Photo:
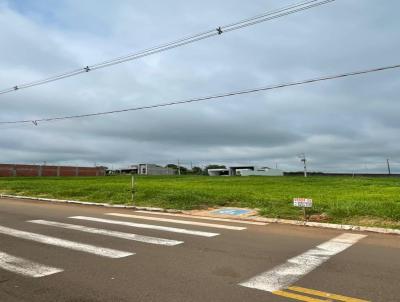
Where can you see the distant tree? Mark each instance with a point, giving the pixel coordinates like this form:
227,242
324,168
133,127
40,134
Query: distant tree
184,170
197,170
172,166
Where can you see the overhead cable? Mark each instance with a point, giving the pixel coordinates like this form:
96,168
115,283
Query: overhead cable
205,98
270,15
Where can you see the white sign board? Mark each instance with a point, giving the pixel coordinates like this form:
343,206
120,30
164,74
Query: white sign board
302,202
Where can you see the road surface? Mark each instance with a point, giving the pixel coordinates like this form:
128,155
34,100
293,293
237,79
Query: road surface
58,252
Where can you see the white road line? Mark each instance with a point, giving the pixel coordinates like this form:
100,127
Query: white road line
288,273
100,251
203,217
211,225
24,267
147,226
128,236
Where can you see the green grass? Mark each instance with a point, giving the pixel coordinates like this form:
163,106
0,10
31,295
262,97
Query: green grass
364,201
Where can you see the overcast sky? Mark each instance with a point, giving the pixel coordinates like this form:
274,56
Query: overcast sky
342,125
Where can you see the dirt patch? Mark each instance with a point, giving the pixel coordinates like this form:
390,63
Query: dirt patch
319,217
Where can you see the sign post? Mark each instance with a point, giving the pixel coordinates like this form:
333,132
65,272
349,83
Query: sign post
303,203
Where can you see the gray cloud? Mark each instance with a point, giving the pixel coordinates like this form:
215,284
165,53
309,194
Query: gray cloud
342,125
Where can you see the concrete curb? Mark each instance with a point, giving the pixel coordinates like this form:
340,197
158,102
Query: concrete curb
345,227
85,203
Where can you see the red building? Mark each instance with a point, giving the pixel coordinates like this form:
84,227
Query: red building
10,170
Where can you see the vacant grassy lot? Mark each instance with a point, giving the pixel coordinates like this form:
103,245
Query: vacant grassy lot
365,201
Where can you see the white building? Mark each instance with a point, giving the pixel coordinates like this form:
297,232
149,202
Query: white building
145,169
245,171
263,171
151,169
218,172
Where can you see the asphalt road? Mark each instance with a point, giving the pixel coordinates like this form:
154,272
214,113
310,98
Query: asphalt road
46,255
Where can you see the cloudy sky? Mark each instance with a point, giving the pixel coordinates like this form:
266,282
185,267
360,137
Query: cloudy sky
342,125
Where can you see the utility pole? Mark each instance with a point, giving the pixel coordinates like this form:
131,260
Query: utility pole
179,168
302,157
305,165
388,165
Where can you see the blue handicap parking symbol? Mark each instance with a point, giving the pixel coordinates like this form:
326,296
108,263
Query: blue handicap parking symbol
234,212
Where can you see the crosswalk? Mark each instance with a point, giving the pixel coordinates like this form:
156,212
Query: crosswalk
147,226
82,247
279,280
25,267
206,218
289,272
212,225
33,269
128,236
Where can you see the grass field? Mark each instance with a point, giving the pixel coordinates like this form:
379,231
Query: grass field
362,201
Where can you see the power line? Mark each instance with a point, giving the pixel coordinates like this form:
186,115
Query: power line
205,98
270,15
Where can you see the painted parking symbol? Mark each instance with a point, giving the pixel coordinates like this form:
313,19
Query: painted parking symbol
233,212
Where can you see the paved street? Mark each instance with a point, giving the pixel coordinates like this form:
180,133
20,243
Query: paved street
56,252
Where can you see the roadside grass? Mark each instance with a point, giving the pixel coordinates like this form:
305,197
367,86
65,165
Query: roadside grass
346,200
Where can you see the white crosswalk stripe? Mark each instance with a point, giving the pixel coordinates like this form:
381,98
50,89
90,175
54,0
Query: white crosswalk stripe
295,268
147,226
100,251
211,225
203,217
25,267
123,235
